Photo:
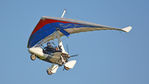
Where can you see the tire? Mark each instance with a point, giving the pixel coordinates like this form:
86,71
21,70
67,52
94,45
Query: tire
49,72
66,68
33,57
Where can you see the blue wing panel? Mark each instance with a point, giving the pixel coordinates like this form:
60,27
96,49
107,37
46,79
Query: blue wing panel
41,34
49,29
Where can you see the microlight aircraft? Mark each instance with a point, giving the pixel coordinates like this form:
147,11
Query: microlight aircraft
50,28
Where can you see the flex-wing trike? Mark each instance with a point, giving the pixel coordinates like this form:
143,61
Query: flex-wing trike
49,28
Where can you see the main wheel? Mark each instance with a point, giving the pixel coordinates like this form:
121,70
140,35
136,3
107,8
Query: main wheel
66,68
33,57
49,72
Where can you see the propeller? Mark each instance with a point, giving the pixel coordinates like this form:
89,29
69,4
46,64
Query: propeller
67,48
74,55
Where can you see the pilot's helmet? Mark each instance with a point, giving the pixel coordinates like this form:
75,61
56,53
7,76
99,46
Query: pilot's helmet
49,44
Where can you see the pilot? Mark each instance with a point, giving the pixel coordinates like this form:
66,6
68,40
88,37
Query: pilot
50,49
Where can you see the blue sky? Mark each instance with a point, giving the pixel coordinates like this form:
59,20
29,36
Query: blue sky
105,57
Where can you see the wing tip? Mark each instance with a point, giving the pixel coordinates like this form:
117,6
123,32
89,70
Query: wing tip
127,29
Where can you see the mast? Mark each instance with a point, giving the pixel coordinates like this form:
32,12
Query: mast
63,13
57,34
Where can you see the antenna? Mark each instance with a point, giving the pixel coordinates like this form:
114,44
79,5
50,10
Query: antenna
63,13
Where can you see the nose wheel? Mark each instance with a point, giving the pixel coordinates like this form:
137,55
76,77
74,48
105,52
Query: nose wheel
33,57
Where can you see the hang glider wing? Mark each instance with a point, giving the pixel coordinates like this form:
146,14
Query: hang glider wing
46,27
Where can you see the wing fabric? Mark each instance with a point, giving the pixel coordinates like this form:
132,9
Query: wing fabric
44,31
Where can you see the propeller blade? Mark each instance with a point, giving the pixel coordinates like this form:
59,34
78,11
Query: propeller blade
67,47
74,55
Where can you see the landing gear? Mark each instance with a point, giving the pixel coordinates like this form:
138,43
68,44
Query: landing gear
69,64
66,68
33,57
52,69
49,72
